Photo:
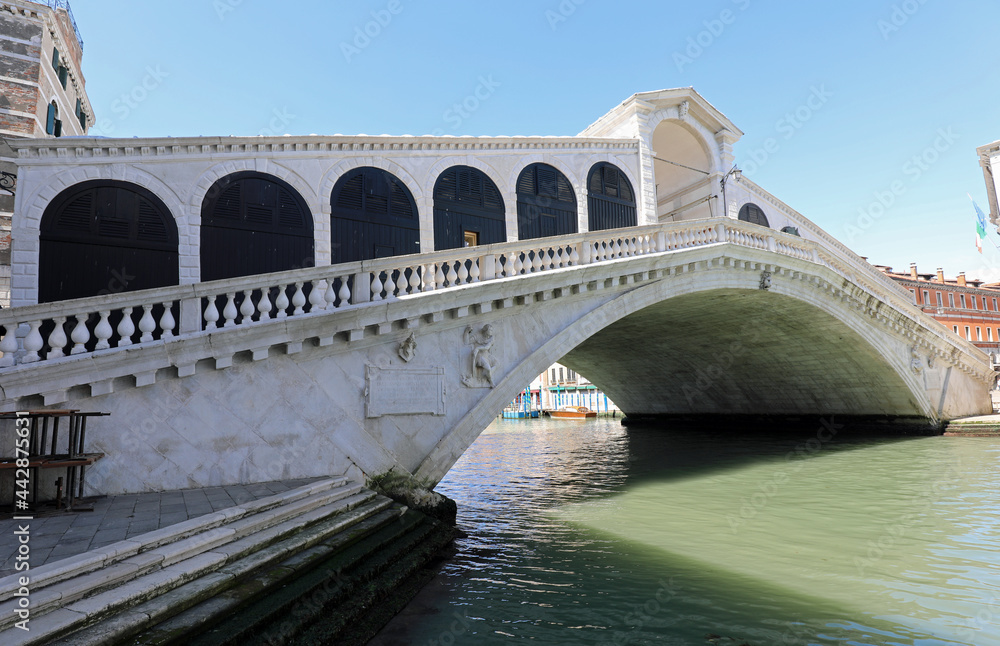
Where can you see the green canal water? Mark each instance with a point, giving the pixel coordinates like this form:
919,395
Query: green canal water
586,532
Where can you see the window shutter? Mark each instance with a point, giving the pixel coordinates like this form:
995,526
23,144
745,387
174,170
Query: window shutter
83,120
55,59
62,76
50,120
76,110
58,128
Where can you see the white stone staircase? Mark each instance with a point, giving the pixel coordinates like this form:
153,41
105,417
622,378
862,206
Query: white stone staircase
110,594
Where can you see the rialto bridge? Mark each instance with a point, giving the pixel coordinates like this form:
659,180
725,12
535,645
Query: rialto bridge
249,309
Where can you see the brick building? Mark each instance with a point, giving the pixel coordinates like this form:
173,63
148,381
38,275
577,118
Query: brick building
969,308
42,92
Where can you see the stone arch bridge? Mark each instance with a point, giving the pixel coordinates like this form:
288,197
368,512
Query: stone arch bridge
399,363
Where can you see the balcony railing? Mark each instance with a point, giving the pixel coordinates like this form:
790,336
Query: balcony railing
64,4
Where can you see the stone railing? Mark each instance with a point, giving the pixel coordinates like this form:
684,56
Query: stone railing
50,331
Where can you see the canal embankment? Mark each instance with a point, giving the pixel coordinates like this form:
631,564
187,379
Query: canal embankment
981,426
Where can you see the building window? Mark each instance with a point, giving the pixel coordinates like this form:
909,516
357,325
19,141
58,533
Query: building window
927,300
964,306
979,333
940,302
553,375
914,292
610,198
968,333
955,327
55,59
951,300
63,75
994,305
546,203
561,375
53,126
753,214
989,334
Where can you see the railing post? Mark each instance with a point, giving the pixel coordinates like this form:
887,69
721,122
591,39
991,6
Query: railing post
191,316
771,246
583,249
362,288
488,267
720,232
661,240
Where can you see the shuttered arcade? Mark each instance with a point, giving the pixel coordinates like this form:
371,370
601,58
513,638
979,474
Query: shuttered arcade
252,223
372,215
610,198
467,206
102,237
546,203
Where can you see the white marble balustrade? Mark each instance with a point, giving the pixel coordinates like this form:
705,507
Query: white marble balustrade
54,330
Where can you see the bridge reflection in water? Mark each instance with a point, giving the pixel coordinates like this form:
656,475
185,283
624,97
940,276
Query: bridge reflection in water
593,533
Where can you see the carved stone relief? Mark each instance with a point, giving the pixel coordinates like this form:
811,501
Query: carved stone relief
482,360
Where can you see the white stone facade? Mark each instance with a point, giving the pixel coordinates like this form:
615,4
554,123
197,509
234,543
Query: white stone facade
989,159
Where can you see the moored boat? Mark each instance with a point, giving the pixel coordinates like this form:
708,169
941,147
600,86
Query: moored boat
573,412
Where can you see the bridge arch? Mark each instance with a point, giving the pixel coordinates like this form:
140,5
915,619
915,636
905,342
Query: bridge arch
685,160
666,334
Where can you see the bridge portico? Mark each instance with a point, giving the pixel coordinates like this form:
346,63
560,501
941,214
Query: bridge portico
399,363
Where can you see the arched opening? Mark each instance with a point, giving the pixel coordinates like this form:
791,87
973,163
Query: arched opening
372,215
103,236
546,203
754,215
468,209
252,223
682,168
610,198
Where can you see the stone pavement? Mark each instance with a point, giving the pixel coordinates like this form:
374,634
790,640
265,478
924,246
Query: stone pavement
115,518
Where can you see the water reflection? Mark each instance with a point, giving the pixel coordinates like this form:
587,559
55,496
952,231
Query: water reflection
589,533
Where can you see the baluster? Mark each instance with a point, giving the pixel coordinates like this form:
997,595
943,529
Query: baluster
390,284
518,264
415,279
438,276
246,307
298,299
317,296
344,293
264,305
103,331
376,287
452,276
80,336
146,324
57,339
561,256
126,328
474,270
281,303
167,321
229,312
211,315
574,257
33,342
616,249
9,345
498,270
463,273
330,296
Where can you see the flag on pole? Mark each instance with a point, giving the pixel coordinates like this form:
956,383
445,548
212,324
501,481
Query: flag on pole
980,226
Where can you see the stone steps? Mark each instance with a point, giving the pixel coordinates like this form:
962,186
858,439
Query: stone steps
76,593
317,581
973,429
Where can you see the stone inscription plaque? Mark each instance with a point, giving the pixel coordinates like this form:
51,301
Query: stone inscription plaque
404,391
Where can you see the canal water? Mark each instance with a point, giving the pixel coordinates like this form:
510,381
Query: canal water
587,532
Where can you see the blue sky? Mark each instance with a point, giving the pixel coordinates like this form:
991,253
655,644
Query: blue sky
883,162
